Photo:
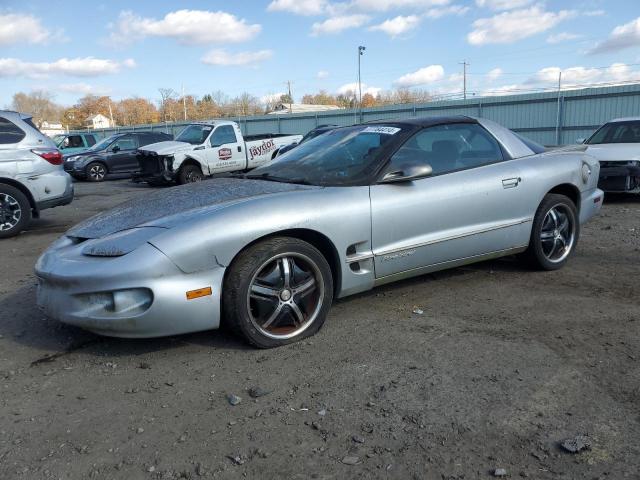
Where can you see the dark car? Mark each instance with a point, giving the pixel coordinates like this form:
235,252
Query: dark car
115,154
319,130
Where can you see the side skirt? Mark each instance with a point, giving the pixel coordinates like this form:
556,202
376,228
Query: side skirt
446,265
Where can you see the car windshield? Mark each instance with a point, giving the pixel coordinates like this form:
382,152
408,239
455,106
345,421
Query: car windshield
104,143
345,156
194,134
617,132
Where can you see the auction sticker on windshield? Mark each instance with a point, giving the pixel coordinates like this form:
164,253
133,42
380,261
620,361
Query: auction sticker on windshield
385,130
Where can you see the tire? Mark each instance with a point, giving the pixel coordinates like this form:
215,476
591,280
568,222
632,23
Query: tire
190,174
96,171
555,233
15,211
277,291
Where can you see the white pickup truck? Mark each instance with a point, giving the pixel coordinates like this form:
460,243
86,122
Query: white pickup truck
206,148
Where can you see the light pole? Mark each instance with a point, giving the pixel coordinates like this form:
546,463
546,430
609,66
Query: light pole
361,50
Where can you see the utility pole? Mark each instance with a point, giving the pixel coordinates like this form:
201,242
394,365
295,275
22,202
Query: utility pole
559,108
184,103
111,114
361,50
464,78
288,82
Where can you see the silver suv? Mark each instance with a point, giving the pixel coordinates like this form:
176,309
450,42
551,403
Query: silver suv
32,177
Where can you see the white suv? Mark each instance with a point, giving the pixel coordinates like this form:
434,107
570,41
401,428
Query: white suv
32,177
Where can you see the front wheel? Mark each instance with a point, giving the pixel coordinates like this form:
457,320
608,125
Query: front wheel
96,172
555,233
15,211
190,174
277,292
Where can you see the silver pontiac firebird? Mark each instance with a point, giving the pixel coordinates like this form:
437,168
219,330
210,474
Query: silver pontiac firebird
266,252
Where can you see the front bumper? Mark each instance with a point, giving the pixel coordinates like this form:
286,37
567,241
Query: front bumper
619,177
72,288
590,204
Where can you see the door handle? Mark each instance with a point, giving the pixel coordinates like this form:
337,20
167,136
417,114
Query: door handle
511,182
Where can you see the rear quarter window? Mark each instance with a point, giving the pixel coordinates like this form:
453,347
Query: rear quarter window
91,140
10,132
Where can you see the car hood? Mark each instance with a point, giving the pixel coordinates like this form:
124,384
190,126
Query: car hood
167,148
615,151
170,207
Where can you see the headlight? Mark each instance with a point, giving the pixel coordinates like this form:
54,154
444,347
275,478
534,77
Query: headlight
118,303
71,159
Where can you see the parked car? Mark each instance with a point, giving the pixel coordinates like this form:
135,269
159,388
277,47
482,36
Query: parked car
114,154
31,174
268,251
617,146
207,148
319,130
74,142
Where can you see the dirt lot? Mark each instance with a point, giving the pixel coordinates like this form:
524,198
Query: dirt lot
503,364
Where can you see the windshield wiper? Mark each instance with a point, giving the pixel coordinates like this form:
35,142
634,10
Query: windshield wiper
273,178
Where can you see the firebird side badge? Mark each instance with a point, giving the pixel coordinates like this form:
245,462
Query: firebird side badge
394,256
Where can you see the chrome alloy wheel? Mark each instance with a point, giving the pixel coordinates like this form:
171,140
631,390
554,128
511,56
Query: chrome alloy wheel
285,295
10,212
97,172
558,233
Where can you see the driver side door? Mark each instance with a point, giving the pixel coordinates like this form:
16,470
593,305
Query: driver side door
122,155
224,152
463,210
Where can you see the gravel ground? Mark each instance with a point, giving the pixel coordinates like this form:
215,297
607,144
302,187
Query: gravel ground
502,366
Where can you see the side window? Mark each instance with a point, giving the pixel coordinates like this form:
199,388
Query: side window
223,135
448,148
74,141
91,140
128,142
9,132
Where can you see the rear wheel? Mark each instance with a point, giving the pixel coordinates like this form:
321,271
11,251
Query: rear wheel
190,174
555,233
96,172
15,211
277,292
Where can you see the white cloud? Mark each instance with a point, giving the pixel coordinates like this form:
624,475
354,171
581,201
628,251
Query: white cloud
508,27
439,12
562,37
583,76
299,7
398,25
222,57
322,74
594,13
503,90
80,67
385,5
494,74
17,28
82,89
622,37
503,4
423,76
352,89
338,24
186,26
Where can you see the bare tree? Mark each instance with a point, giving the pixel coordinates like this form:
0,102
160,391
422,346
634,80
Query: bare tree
40,104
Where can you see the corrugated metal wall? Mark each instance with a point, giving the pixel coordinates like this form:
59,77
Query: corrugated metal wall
544,117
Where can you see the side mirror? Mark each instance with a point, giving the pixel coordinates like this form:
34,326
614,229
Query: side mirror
580,140
115,149
408,173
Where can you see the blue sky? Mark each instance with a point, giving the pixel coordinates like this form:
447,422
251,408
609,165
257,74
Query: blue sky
124,48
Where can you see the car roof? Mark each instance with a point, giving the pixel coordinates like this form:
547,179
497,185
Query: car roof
624,119
427,121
